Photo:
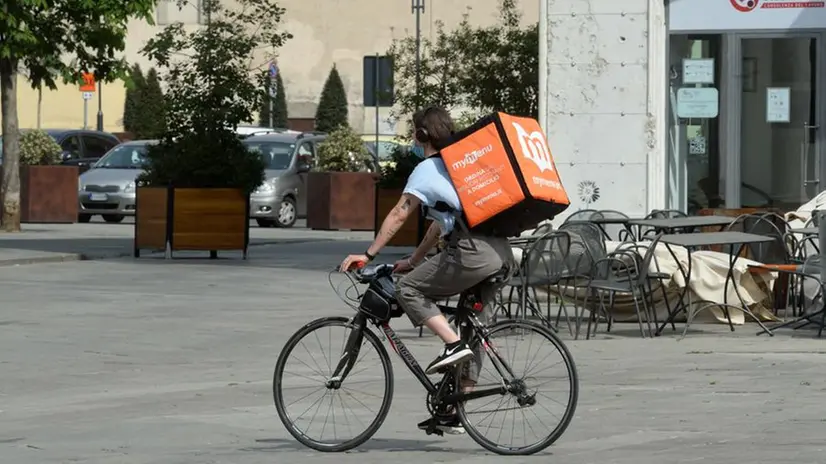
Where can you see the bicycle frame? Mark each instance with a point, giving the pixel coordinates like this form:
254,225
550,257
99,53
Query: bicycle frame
352,347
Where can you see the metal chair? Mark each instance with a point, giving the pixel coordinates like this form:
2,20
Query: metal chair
623,232
541,266
581,215
624,271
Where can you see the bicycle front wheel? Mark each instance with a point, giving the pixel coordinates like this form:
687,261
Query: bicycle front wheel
319,415
543,384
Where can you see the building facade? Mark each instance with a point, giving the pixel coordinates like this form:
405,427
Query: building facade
686,104
326,33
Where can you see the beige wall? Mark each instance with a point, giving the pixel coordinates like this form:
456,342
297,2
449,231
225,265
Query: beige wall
325,32
63,108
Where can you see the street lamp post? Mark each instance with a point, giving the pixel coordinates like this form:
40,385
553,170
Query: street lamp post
100,106
417,7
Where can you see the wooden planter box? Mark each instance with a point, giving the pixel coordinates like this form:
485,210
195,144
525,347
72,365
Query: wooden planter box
340,200
412,232
176,219
48,194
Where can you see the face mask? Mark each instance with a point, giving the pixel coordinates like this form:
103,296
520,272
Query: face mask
418,150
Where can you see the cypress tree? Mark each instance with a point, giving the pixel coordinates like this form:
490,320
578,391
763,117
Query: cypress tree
332,106
131,106
264,119
279,106
152,112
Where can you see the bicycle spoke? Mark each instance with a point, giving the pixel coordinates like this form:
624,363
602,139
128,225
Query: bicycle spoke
524,350
345,420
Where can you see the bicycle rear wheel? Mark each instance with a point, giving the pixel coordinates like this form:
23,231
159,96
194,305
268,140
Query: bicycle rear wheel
545,384
301,389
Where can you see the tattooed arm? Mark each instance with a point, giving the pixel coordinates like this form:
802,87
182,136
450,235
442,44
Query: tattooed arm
407,205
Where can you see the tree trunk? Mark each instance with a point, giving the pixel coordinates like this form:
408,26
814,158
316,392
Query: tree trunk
10,186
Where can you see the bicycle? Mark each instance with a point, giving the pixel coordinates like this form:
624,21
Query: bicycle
377,306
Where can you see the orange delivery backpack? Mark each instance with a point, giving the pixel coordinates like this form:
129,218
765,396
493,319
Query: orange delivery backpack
503,171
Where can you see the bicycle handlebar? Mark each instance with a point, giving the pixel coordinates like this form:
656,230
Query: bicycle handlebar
365,274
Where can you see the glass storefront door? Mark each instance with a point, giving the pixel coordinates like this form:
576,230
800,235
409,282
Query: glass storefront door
694,146
780,114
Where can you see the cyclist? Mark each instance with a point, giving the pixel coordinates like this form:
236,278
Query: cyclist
466,261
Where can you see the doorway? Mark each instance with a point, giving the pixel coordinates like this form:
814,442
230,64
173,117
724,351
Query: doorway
780,144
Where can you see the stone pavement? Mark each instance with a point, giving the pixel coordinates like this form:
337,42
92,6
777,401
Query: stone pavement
128,361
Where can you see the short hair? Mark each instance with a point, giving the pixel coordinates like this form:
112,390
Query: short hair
438,124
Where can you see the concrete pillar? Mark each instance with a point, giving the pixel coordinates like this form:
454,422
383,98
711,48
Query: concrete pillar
605,73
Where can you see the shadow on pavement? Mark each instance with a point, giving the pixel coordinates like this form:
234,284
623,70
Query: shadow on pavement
374,444
112,247
305,255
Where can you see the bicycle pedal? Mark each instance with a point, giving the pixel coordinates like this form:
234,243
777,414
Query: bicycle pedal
434,431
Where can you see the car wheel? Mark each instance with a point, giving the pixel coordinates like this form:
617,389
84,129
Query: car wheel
84,218
265,222
113,218
286,213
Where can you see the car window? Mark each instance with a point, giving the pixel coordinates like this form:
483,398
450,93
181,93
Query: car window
123,157
71,146
306,149
96,146
276,155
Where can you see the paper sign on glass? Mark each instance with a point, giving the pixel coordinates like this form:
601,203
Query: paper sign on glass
698,71
698,102
778,104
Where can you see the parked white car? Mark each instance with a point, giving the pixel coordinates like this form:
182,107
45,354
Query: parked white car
108,187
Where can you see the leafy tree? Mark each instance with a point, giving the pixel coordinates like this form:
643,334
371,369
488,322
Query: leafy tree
332,106
48,40
135,85
278,117
151,116
471,69
209,93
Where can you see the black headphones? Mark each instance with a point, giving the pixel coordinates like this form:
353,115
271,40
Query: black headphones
421,134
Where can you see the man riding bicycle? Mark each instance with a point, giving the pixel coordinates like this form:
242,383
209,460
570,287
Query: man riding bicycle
466,262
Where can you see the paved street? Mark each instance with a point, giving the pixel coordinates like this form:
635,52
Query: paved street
128,361
71,242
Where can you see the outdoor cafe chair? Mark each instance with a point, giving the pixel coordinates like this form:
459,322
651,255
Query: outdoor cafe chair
604,218
622,271
659,214
581,215
542,265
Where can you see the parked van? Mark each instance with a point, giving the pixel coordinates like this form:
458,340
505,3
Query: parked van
289,156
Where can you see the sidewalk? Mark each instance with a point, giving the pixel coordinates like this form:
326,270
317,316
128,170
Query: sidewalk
44,243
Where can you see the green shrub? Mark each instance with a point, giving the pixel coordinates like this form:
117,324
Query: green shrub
342,151
38,148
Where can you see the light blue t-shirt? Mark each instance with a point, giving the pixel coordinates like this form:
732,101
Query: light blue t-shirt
430,183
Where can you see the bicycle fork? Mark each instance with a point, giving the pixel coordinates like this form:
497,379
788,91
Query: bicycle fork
350,354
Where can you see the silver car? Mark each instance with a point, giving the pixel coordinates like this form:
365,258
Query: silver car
108,187
288,157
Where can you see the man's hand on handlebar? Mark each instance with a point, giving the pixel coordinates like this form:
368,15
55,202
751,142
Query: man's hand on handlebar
403,265
353,262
